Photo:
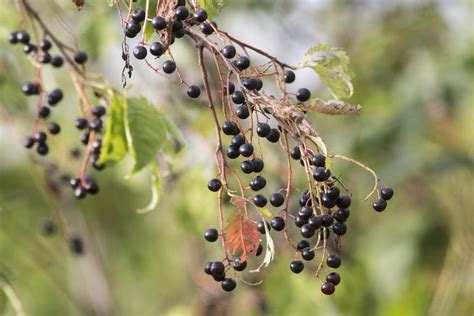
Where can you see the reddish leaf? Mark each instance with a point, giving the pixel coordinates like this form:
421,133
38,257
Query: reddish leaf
242,235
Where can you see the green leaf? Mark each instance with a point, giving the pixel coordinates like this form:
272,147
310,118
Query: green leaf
155,190
146,130
332,65
114,145
212,7
111,3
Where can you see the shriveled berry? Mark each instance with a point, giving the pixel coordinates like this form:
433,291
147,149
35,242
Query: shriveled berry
333,261
296,266
379,205
277,223
386,193
211,235
303,95
214,185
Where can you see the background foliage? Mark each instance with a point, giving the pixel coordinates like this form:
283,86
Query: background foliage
414,67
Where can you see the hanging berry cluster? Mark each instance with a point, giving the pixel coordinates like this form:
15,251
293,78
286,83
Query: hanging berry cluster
244,116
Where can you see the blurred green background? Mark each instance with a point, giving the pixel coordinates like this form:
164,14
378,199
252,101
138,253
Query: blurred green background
414,66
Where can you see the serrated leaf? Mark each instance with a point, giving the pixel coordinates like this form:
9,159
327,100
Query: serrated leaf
332,65
269,250
114,143
332,107
242,235
155,190
265,211
146,130
212,7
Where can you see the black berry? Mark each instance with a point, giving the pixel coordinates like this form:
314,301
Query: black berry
263,129
200,15
239,265
379,205
80,57
303,95
76,245
182,13
140,52
159,23
55,96
54,128
257,165
246,150
157,49
242,63
57,61
307,254
343,201
321,174
193,91
228,284
328,288
260,200
277,223
242,112
44,112
296,266
258,183
289,76
277,199
169,66
273,136
295,153
238,97
229,51
333,278
138,15
214,185
246,166
386,193
230,128
333,261
211,235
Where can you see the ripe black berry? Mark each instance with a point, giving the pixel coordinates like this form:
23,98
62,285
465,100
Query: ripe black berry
42,149
321,174
327,201
98,111
230,128
29,48
140,52
379,205
242,112
277,223
30,88
333,278
238,97
80,57
57,61
239,265
296,266
44,58
214,185
261,227
217,268
169,66
231,88
13,38
259,250
74,182
157,49
305,212
95,124
238,140
182,13
138,15
54,128
258,182
289,76
211,235
85,138
303,95
328,288
300,221
273,136
228,284
263,129
193,91
200,15
29,142
242,63
339,228
257,165
207,268
260,200
307,254
250,83
76,245
48,228
133,28
307,231
315,222
81,123
277,199
246,150
333,261
343,201
324,233
295,153
40,137
302,244
333,192
229,51
259,84
206,28
159,23
327,220
219,277
319,160
386,193
80,192
44,112
233,152
246,166
177,26
55,96
23,37
91,186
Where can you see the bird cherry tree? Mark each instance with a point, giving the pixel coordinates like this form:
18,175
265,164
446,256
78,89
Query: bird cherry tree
244,113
